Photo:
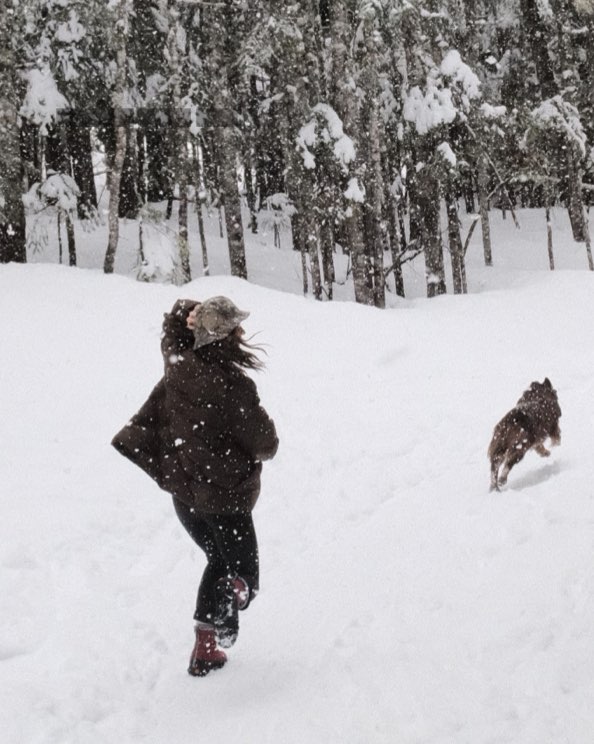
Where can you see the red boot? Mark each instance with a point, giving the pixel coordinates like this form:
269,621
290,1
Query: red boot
205,656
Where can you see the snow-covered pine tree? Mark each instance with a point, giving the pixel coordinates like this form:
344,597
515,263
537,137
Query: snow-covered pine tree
12,212
552,43
63,44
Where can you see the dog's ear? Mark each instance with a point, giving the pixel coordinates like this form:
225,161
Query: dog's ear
547,383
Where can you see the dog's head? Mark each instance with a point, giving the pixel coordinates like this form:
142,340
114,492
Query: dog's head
541,392
544,388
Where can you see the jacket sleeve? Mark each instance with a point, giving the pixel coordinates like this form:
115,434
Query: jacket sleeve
139,440
250,425
176,336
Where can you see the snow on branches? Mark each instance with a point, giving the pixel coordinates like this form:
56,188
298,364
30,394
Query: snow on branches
43,101
448,93
447,154
325,127
58,189
560,116
544,8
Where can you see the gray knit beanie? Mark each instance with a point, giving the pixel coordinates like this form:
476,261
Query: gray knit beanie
216,318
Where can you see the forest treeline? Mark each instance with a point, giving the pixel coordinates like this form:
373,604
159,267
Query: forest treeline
356,123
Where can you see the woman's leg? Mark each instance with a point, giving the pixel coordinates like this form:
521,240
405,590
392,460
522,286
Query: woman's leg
236,541
231,549
202,533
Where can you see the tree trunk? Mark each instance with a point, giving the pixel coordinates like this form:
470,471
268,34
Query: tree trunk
114,179
311,247
250,194
373,162
182,215
301,182
483,194
158,167
550,238
269,154
455,244
220,29
589,249
347,107
230,185
391,169
203,246
575,202
325,210
142,166
360,261
468,190
180,140
60,247
79,144
327,250
66,168
304,272
200,196
115,175
71,240
299,245
12,212
427,205
302,187
432,247
379,290
129,197
537,36
395,243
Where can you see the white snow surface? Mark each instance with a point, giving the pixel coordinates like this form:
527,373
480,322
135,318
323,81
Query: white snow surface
401,602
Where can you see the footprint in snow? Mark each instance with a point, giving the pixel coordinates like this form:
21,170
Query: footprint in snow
23,603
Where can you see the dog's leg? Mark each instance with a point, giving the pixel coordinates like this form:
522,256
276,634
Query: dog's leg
495,463
541,449
511,459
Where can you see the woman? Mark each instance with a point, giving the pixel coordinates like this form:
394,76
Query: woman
202,436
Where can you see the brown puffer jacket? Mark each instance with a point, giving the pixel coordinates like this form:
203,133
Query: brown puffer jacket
202,433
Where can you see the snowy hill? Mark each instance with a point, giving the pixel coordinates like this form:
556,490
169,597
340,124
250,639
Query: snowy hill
401,602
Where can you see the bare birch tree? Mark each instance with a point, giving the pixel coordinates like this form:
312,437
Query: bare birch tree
346,105
222,29
176,51
119,104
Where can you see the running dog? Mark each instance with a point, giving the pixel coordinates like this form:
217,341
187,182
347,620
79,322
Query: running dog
534,419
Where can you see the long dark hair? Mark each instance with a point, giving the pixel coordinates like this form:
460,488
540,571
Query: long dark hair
235,352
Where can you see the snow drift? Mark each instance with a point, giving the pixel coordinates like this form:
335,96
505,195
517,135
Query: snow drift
401,602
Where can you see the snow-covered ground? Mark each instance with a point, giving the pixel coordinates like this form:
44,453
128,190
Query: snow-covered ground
401,602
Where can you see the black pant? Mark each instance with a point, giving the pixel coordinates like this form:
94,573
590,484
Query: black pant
231,549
